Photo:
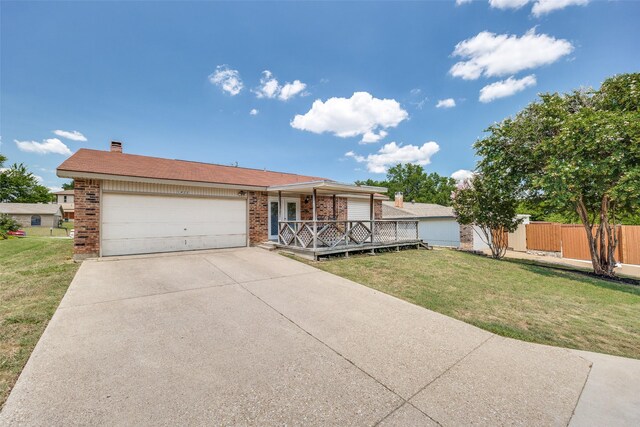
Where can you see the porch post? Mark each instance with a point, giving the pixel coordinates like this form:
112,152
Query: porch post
315,224
279,213
371,214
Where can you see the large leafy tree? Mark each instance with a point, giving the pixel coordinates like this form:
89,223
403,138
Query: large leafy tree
416,185
18,185
68,185
578,153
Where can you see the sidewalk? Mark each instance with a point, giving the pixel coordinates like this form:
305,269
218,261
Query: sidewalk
628,270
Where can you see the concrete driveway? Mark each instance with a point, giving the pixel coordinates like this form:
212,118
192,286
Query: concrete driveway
248,337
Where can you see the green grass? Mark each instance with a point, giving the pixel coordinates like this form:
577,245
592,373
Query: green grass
523,301
46,231
34,275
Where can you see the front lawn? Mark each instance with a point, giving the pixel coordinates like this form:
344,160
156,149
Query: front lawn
46,231
34,275
527,302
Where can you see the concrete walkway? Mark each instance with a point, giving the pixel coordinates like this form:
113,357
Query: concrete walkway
252,338
628,270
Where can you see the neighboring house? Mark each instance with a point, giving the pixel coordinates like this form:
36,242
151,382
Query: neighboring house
437,226
131,204
33,214
65,200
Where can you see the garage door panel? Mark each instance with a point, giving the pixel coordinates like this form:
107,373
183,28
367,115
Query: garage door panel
170,244
133,224
118,230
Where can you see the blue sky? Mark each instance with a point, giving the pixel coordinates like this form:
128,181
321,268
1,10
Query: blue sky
163,77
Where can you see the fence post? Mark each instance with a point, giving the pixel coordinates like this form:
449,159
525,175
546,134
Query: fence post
315,222
621,244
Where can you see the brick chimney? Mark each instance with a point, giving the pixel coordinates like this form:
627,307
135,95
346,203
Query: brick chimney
116,147
398,200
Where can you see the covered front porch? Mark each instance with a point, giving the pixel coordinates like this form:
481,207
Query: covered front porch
324,218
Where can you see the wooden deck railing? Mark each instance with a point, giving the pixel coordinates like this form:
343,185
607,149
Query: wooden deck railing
333,234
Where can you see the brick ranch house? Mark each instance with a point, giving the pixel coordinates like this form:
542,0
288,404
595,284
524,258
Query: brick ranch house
131,204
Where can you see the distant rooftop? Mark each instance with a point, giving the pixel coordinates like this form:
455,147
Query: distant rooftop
416,210
29,208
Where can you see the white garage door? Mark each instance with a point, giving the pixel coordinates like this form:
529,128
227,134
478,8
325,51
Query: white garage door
140,224
358,210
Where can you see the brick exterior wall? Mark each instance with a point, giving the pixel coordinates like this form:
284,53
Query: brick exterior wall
324,206
86,239
258,217
466,237
377,209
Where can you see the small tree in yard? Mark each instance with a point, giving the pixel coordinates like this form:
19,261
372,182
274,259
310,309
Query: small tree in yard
7,224
577,152
486,204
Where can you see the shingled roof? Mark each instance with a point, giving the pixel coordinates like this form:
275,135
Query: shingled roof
114,163
29,208
419,210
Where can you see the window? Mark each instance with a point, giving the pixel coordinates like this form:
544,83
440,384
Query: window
64,199
35,220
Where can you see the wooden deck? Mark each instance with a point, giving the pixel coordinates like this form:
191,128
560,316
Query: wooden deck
330,237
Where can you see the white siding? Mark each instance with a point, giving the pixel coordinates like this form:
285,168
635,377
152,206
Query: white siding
478,240
440,231
136,223
358,209
182,190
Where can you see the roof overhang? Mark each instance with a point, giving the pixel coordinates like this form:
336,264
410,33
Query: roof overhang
89,175
330,187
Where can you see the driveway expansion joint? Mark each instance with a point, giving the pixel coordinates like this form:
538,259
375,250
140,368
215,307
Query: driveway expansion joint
452,366
586,380
177,291
403,400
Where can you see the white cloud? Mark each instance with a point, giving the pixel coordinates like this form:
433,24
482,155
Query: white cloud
460,2
493,55
542,7
73,135
271,88
227,79
38,178
362,114
415,91
504,88
51,145
446,103
289,90
254,112
55,189
371,137
507,4
462,175
391,154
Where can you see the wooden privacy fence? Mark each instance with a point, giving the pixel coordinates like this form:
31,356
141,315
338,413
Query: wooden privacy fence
575,244
571,240
544,236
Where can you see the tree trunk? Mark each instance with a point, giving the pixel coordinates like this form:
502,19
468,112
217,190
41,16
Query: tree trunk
601,246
